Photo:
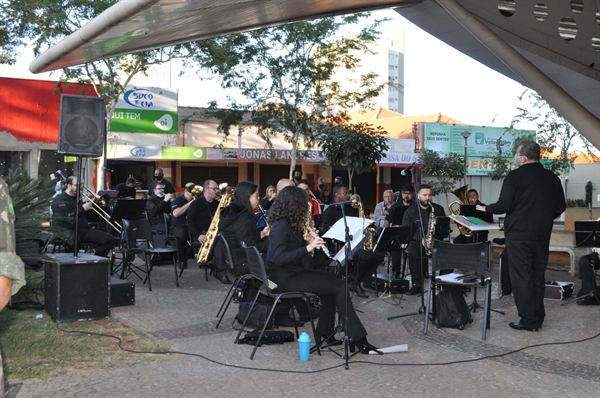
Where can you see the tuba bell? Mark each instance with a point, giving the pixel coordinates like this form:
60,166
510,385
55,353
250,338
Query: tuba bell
461,194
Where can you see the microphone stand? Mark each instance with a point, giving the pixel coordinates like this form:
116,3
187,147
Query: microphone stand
77,199
348,251
420,246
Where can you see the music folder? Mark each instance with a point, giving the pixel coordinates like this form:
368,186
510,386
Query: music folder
474,223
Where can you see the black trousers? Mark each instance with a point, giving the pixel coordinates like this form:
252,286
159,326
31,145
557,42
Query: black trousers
527,261
368,262
417,262
588,265
180,232
102,240
332,291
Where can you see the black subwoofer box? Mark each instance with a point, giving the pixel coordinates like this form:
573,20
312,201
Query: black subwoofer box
122,292
77,288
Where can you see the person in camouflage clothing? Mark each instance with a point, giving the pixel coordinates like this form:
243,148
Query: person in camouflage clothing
12,268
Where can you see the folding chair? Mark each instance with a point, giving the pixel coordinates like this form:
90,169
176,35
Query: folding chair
139,240
259,272
470,261
236,283
170,239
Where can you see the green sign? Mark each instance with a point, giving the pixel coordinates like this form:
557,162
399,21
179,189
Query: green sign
144,121
481,143
183,153
146,110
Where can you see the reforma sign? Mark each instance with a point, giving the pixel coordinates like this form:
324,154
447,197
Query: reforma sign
146,110
481,144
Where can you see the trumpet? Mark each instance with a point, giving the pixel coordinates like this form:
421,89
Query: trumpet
102,201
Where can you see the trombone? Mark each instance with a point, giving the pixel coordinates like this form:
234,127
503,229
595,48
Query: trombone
98,208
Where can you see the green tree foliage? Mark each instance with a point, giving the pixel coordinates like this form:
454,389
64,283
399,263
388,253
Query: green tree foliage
31,202
501,161
44,23
554,132
589,189
448,169
359,146
285,76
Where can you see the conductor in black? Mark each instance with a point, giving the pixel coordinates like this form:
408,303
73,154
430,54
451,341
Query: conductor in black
532,197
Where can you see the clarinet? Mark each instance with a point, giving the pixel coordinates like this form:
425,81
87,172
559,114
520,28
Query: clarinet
263,213
314,235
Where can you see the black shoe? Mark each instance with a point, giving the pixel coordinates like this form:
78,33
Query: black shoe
287,321
329,341
589,300
363,346
520,326
360,292
415,289
223,278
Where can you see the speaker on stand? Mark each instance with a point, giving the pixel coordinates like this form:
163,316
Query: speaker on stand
82,127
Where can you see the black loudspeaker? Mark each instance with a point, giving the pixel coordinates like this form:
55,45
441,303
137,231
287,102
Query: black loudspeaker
122,292
77,288
82,125
382,281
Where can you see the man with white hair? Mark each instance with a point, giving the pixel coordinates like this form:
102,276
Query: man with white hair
382,208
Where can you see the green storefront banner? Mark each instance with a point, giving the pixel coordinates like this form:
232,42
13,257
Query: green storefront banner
144,121
183,153
481,143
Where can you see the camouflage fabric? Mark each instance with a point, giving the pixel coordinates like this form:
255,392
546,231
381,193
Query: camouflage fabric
11,265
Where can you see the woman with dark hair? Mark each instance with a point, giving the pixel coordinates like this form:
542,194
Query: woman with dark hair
237,224
290,266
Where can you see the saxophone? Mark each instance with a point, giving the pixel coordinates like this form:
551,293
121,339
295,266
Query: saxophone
213,230
429,239
370,230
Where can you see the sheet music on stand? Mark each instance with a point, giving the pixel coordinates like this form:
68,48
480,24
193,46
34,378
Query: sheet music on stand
474,223
356,227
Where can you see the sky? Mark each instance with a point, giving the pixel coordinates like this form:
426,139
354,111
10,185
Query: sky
437,79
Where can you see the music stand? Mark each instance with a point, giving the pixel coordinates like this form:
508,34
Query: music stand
398,215
587,233
386,240
130,209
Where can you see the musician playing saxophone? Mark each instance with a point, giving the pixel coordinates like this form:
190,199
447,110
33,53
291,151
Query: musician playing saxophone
417,216
199,216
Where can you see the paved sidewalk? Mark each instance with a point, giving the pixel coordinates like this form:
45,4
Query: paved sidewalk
558,361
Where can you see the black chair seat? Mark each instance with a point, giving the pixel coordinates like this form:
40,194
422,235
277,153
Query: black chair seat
468,260
237,281
139,240
259,273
